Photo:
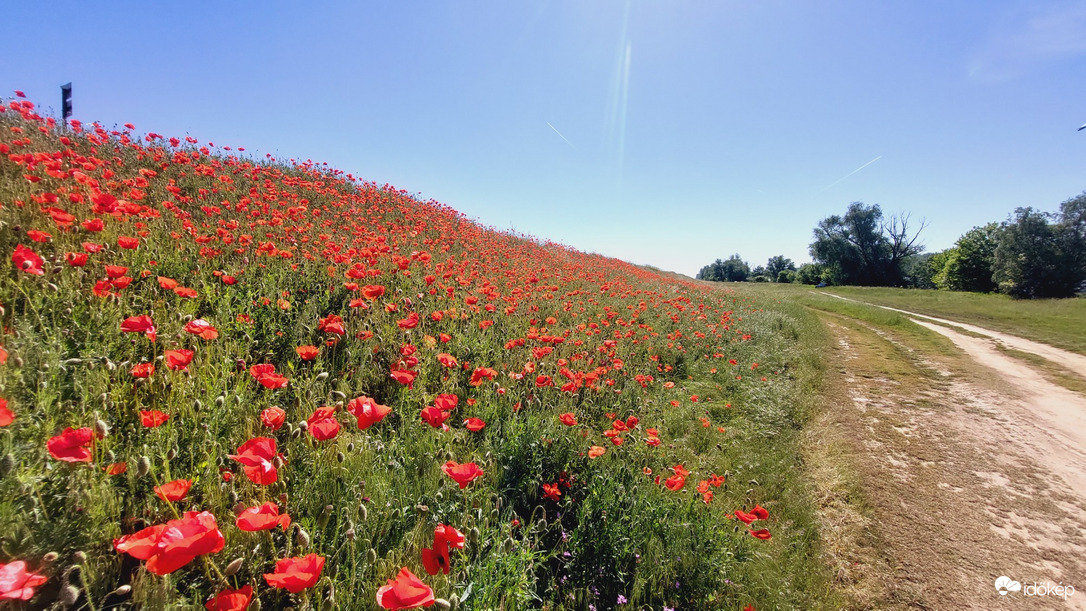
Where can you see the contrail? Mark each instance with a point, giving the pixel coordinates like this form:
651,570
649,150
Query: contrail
852,172
560,135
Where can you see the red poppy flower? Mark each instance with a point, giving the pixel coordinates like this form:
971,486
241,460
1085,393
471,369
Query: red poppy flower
272,381
170,546
38,236
542,381
153,418
76,259
551,491
167,283
675,483
453,537
184,291
139,324
568,419
173,491
447,360
231,600
94,225
761,534
404,376
72,445
296,574
322,424
6,415
760,512
368,411
434,416
462,474
16,583
116,468
474,424
116,271
480,374
143,370
202,329
178,360
596,451
263,517
128,243
405,592
744,517
257,455
371,291
436,559
446,403
307,353
273,417
331,324
27,260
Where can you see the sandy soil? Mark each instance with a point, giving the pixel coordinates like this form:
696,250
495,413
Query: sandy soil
980,474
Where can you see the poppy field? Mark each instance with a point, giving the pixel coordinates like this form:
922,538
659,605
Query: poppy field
235,382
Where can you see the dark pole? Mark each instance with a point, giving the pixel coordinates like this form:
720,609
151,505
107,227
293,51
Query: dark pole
65,103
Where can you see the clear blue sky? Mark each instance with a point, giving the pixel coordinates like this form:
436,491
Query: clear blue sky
665,132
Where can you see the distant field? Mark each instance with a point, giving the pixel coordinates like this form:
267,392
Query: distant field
1059,322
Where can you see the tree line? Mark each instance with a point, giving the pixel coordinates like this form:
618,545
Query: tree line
1032,254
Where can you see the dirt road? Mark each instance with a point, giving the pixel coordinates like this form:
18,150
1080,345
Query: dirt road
973,467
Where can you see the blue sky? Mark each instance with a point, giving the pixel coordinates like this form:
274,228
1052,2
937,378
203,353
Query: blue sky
666,132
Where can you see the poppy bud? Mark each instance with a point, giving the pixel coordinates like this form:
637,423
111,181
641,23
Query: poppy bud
371,555
301,539
350,447
322,376
48,559
340,457
143,466
18,361
255,605
303,425
361,510
442,604
124,590
171,454
220,400
454,602
53,287
283,499
101,428
7,464
338,395
507,545
233,567
423,509
197,405
56,270
350,534
494,514
473,535
80,556
69,594
326,515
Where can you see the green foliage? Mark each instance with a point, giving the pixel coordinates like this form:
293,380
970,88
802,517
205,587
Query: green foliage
734,269
778,264
969,264
809,273
1037,257
861,248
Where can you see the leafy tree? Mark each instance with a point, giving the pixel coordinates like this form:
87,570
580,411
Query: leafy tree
778,264
734,269
862,248
809,273
918,270
786,276
1038,258
759,272
969,265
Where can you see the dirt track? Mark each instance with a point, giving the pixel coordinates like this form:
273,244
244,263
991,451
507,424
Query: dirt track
979,474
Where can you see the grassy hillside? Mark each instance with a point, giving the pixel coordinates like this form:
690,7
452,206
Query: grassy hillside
196,344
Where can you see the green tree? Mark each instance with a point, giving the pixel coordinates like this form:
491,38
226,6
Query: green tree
1038,258
969,265
734,269
809,273
778,264
863,248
